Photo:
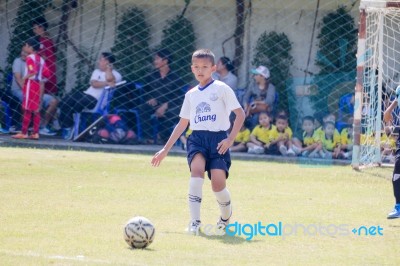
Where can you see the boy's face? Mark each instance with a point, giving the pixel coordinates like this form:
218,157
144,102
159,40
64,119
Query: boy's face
308,126
27,49
103,62
281,124
264,120
202,68
159,62
38,30
329,130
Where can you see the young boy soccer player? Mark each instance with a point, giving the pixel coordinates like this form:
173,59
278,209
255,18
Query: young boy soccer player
207,107
31,93
388,117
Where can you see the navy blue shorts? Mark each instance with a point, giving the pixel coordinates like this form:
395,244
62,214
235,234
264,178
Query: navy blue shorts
206,142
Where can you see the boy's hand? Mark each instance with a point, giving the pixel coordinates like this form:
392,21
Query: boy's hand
158,157
224,145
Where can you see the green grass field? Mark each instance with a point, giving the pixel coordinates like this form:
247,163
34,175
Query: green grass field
69,208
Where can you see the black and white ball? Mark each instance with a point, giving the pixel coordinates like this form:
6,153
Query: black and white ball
139,232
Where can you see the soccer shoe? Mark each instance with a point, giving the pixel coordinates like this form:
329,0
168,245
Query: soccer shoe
68,133
20,136
47,131
222,224
258,150
290,152
395,213
194,227
283,150
34,136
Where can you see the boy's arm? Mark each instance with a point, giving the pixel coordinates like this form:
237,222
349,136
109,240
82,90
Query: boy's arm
225,144
178,130
387,115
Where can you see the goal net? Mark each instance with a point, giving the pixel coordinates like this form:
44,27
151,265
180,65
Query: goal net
378,66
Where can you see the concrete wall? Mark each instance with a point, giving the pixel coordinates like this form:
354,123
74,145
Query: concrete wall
213,20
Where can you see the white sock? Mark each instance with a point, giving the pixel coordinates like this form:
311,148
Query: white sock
224,202
195,196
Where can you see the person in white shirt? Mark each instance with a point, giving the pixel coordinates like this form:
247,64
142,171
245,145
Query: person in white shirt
76,101
206,108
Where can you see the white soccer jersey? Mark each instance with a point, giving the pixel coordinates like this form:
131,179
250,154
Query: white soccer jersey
209,108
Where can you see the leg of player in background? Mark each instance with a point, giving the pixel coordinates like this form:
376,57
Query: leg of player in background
395,213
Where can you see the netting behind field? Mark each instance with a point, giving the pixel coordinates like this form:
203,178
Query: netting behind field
308,47
381,77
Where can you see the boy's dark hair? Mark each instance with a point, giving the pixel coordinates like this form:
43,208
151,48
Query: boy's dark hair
40,21
204,53
329,123
308,118
227,63
109,57
281,117
164,54
34,43
266,113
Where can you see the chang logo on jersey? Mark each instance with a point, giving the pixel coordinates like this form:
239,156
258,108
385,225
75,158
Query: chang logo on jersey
213,97
201,115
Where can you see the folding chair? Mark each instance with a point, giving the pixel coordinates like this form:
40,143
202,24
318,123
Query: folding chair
121,110
101,109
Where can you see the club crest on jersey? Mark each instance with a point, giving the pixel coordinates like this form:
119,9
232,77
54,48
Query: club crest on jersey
201,115
213,97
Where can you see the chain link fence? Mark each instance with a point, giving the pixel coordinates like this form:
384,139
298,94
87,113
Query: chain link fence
309,48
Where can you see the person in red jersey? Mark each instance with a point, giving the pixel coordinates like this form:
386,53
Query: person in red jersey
32,92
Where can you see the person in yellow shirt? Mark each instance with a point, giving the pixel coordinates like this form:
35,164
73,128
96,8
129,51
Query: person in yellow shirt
309,145
330,140
281,136
346,140
239,145
260,139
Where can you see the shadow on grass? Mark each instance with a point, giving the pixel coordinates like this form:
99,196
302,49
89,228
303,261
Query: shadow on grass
227,239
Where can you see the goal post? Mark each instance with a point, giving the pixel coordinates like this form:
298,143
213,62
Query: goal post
378,67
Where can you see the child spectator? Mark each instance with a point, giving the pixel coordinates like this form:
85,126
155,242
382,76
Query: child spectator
281,136
239,145
32,90
260,139
330,140
346,140
310,144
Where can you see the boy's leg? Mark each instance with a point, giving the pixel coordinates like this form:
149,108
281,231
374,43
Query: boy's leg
218,184
195,195
396,190
26,121
36,122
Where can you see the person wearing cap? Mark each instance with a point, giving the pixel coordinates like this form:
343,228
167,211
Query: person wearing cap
224,73
260,95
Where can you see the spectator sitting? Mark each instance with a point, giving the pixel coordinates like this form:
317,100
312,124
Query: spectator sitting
76,101
330,140
239,145
163,98
260,138
260,95
184,138
224,73
281,136
309,145
346,140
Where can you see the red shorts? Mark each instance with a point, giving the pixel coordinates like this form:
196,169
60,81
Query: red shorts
31,95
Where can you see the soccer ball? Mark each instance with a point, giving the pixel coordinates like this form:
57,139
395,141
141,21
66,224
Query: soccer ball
139,232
